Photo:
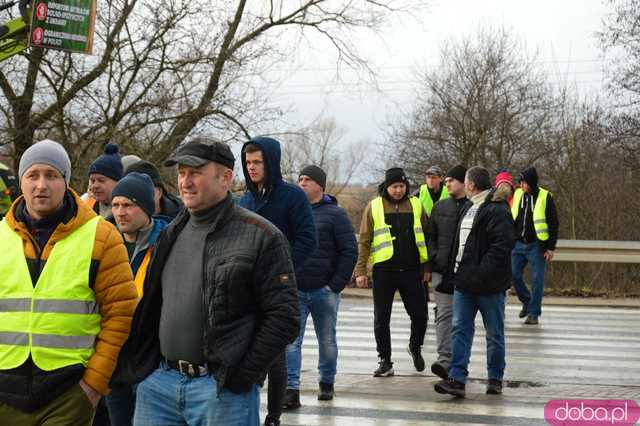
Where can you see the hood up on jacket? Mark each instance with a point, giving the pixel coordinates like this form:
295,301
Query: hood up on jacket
271,154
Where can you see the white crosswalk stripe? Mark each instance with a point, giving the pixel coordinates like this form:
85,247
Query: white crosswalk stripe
574,350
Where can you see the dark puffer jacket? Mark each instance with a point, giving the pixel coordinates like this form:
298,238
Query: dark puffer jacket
333,261
281,203
170,205
250,301
441,233
485,267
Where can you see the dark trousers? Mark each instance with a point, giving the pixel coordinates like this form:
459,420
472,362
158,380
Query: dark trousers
70,408
101,417
121,404
277,386
409,284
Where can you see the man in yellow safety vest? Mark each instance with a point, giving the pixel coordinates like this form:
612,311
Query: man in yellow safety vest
433,190
66,298
536,219
392,238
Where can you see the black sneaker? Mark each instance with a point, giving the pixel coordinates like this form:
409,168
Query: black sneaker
326,392
494,387
291,400
523,311
531,319
385,368
269,421
416,355
450,386
439,370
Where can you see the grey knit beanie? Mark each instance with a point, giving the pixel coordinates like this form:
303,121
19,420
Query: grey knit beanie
46,152
128,160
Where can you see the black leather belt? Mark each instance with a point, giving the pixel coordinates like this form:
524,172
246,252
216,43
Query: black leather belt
188,369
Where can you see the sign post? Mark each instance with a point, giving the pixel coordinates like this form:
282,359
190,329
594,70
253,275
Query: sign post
63,24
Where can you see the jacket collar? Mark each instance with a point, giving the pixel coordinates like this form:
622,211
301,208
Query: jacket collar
75,217
226,208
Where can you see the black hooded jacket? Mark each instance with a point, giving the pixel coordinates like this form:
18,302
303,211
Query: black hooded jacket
525,230
485,267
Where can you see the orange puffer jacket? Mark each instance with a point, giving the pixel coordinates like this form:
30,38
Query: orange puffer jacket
115,294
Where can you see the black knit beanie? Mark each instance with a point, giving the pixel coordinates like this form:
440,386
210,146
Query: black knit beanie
315,173
529,176
394,175
137,187
148,169
457,172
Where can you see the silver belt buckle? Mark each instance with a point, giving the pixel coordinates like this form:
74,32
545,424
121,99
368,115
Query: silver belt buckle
186,367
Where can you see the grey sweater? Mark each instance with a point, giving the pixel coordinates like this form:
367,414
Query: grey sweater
182,316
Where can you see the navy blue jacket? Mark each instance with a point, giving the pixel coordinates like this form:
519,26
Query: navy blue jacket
333,262
283,204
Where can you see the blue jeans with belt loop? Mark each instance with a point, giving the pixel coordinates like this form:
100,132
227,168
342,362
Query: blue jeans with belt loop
465,309
168,397
521,255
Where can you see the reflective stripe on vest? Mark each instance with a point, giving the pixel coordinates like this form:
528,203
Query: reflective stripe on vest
142,272
425,198
57,320
539,212
382,243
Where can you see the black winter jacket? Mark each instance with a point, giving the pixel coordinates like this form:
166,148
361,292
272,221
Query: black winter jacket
485,267
441,234
250,301
528,235
170,205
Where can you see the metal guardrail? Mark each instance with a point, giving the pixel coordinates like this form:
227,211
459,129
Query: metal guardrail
597,251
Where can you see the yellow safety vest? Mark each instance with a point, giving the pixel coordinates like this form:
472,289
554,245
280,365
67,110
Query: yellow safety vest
382,244
57,320
425,198
141,273
539,212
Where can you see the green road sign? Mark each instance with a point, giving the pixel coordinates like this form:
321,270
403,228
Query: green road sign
63,24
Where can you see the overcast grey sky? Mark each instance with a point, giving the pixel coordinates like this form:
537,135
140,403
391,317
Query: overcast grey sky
563,32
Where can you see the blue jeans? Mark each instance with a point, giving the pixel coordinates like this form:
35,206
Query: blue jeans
170,398
323,305
465,308
121,404
521,255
